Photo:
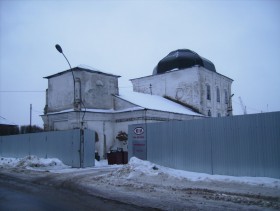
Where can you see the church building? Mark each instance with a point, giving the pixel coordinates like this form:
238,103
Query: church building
187,78
183,86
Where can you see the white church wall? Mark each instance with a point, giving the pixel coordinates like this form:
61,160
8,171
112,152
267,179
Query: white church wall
157,83
60,92
189,86
163,84
120,104
61,125
95,90
184,86
215,81
104,129
181,85
107,125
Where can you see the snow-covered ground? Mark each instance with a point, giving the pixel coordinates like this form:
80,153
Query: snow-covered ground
147,184
33,163
135,169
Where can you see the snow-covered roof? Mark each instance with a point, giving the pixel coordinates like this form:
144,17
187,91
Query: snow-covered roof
109,111
142,101
84,68
4,121
155,102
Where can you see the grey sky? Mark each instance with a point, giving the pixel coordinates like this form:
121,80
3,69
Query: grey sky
128,38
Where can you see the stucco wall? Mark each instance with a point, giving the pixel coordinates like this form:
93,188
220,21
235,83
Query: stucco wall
107,125
215,81
188,86
60,93
96,90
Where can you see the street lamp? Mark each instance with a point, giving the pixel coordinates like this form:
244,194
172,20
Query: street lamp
76,103
59,49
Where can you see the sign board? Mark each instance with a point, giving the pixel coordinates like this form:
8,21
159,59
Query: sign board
137,141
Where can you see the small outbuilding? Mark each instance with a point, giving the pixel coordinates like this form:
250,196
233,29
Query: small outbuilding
7,128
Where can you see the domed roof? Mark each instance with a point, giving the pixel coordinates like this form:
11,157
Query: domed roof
181,59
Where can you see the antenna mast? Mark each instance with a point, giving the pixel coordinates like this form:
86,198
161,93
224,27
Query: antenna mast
242,106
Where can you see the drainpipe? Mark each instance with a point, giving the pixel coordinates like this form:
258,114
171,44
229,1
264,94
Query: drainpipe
82,148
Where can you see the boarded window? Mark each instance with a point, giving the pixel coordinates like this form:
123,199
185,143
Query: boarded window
208,92
218,94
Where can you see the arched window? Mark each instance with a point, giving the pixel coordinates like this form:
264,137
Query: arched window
77,90
96,137
226,97
218,94
208,92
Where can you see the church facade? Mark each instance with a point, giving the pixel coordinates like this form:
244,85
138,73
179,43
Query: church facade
185,77
83,97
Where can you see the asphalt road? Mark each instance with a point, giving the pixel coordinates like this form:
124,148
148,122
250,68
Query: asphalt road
16,194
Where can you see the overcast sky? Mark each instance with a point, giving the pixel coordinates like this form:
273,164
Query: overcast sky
128,38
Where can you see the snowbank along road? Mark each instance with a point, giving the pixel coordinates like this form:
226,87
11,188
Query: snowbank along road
148,185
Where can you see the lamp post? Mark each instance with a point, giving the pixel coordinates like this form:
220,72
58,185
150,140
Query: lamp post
59,49
76,104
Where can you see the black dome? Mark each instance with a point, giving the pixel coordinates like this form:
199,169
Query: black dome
181,59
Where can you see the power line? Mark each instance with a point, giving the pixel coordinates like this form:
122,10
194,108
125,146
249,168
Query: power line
248,107
27,91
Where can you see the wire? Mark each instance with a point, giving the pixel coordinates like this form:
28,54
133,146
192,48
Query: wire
15,91
250,108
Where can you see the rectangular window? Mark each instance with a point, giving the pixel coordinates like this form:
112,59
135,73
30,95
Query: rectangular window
218,94
208,92
226,97
77,90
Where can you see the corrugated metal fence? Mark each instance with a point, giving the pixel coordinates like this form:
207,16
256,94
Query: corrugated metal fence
72,147
247,145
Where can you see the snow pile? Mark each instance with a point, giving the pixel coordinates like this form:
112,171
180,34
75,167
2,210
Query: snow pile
8,162
144,170
101,163
136,168
33,162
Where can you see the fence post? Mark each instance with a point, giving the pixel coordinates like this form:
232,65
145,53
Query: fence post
82,148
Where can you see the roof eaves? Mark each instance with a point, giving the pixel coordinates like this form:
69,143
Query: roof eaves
198,115
117,96
81,69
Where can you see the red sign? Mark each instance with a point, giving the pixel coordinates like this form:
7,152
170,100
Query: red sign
138,130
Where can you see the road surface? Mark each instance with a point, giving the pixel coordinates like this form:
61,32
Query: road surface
17,194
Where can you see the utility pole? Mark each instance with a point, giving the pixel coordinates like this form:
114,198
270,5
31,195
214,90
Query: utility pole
30,118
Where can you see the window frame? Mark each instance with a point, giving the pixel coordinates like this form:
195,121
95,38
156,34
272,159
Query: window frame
226,97
208,92
218,95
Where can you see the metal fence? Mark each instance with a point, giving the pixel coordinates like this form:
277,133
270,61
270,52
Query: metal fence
73,147
247,145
